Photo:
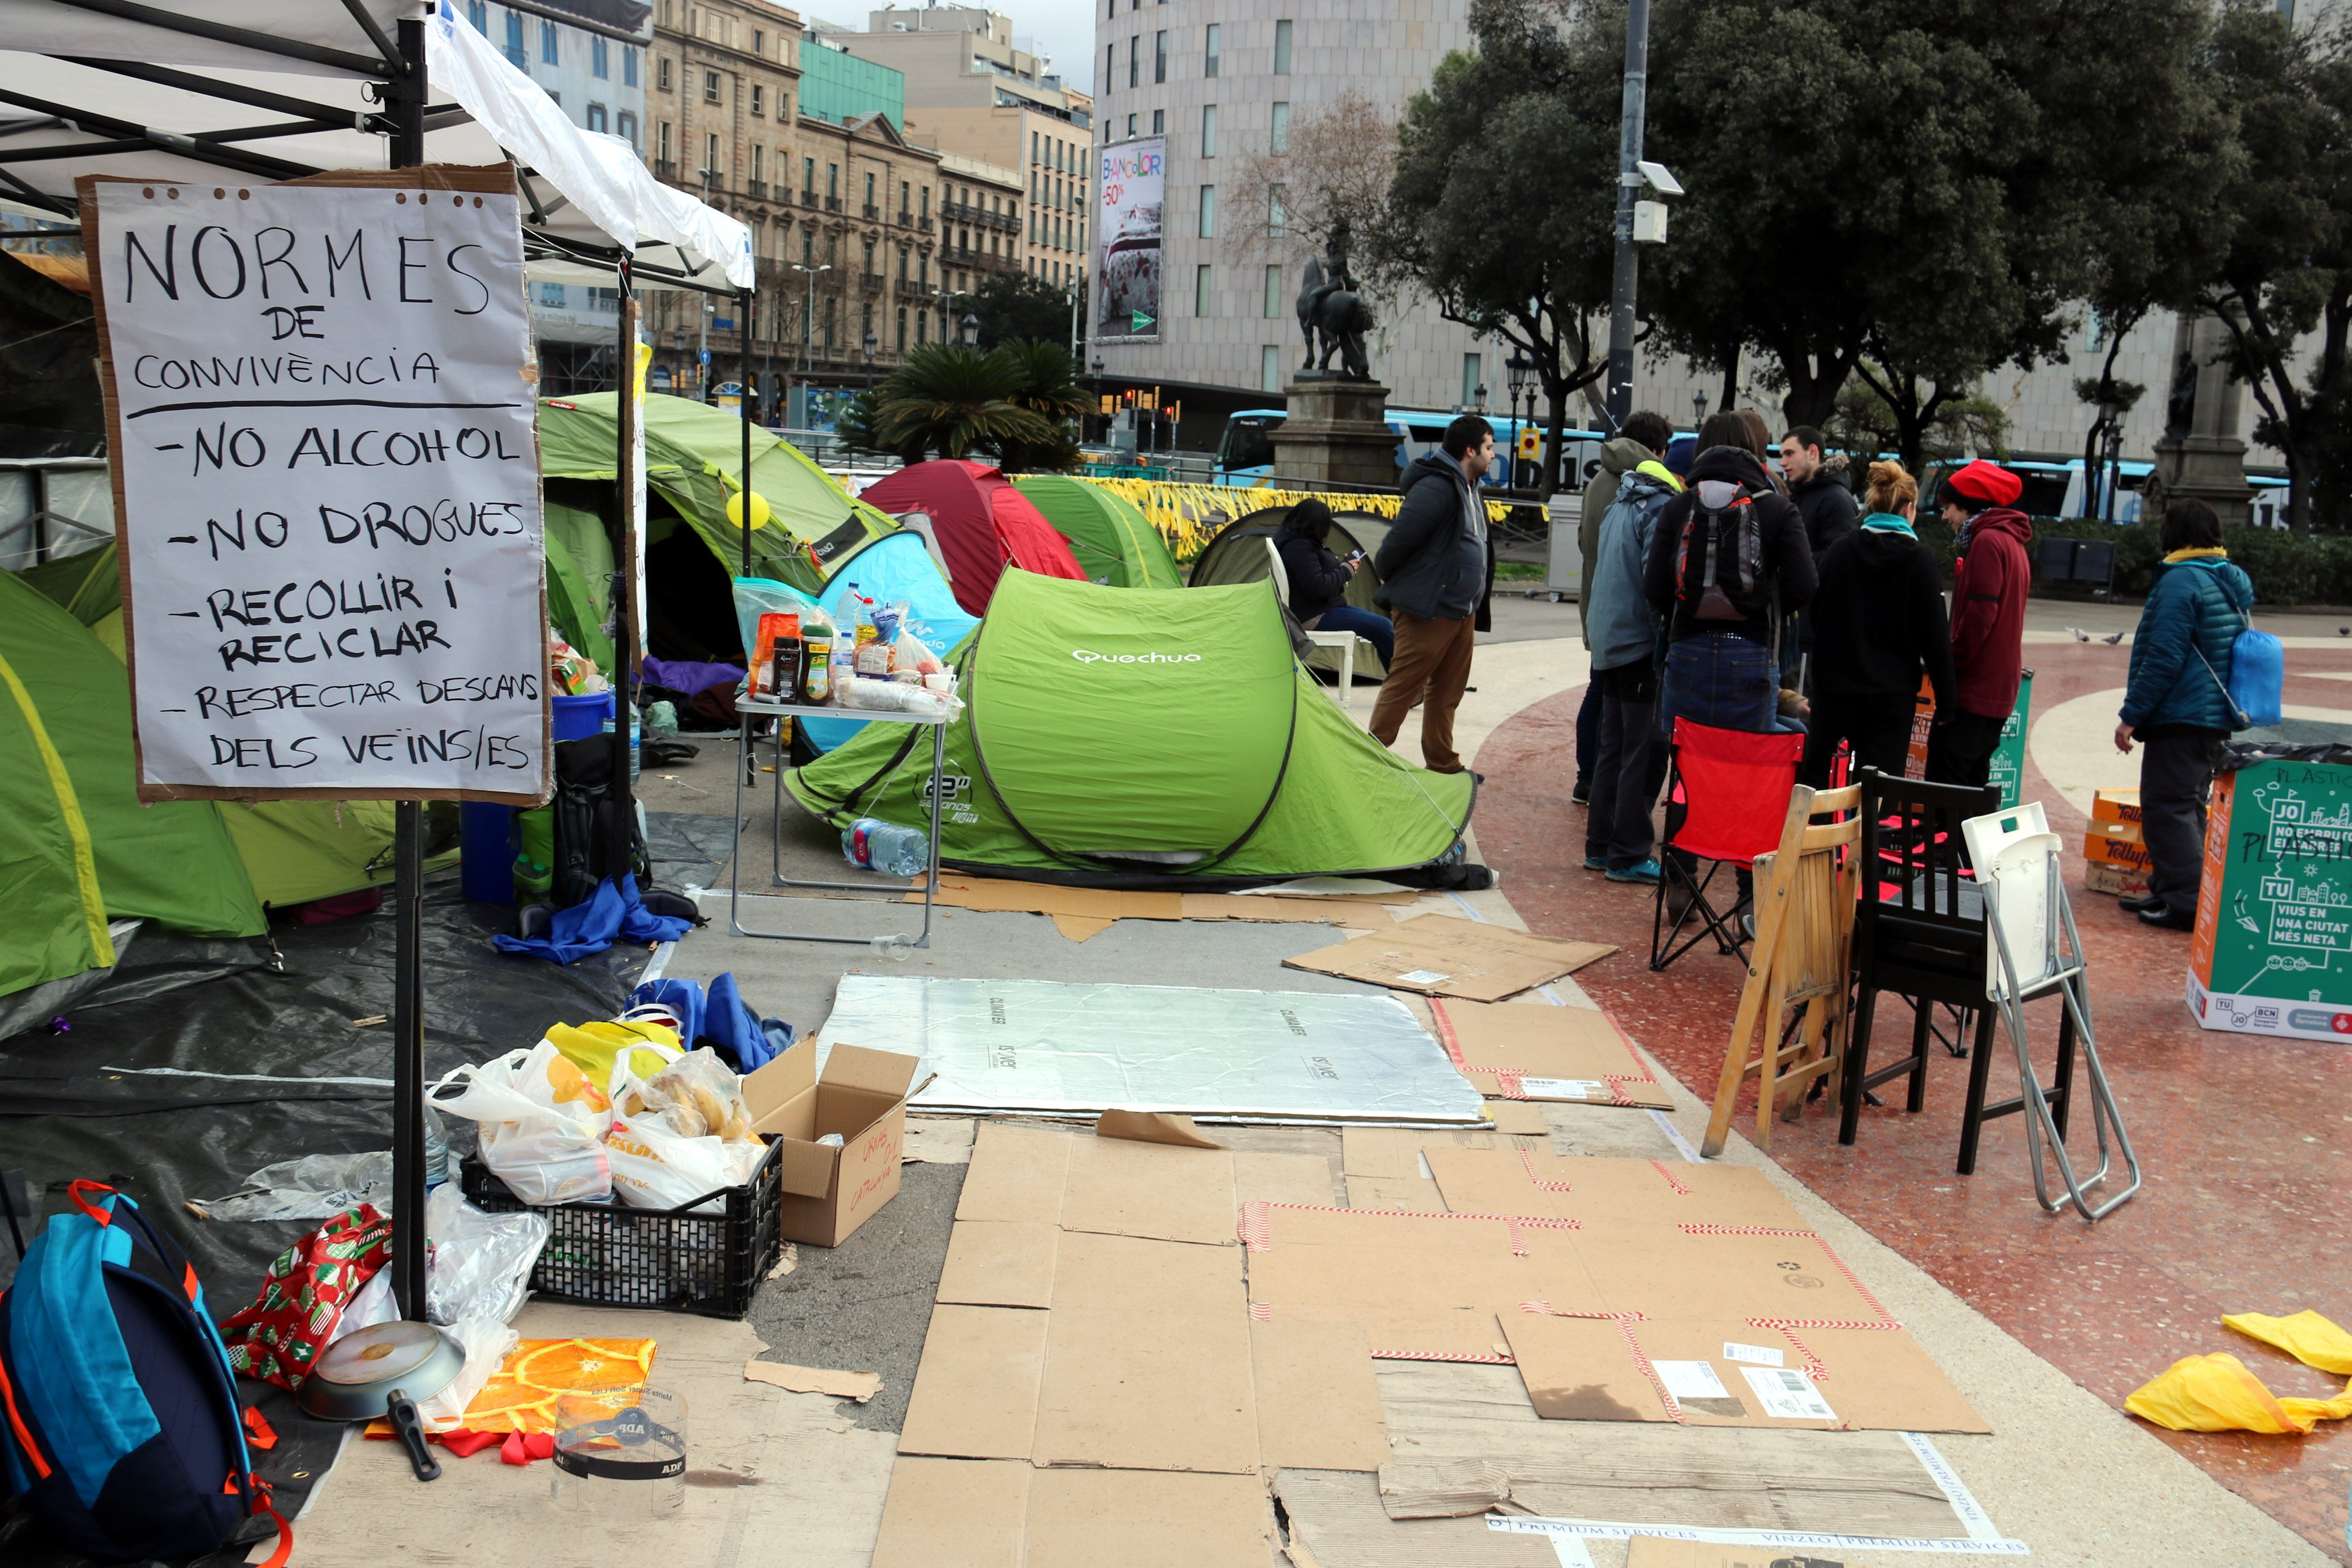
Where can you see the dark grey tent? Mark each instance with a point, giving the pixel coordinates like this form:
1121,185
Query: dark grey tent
1237,554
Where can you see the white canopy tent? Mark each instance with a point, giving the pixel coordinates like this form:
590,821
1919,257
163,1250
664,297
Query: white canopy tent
84,90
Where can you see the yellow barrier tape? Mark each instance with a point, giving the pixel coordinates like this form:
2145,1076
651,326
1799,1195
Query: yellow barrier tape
1188,516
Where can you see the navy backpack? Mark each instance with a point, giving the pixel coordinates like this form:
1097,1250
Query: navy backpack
122,1427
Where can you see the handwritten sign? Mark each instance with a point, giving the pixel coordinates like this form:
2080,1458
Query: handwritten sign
326,456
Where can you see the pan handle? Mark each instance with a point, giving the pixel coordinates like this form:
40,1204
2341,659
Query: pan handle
409,1428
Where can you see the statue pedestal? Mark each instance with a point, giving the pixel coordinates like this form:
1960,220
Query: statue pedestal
1337,432
2200,454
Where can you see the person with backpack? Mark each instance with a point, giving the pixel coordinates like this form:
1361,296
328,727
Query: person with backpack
1318,580
1437,571
2178,704
1878,623
1988,588
1727,562
1620,456
1622,631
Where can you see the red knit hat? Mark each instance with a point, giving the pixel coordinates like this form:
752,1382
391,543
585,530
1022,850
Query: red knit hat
1986,483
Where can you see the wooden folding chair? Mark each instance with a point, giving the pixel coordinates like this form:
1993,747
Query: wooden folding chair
1799,964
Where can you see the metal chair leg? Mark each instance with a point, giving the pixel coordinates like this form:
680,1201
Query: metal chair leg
1972,1118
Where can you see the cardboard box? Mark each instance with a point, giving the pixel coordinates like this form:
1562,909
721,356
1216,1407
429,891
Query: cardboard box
2116,806
1441,955
2271,953
828,1192
2115,881
2116,844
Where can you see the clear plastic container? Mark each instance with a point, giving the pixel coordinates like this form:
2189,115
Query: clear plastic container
620,1455
885,846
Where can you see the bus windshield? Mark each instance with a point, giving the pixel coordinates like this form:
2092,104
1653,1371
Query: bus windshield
1249,442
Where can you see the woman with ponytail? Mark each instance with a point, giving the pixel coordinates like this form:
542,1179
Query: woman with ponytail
1878,624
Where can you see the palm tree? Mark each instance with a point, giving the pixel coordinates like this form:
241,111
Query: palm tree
1044,379
948,400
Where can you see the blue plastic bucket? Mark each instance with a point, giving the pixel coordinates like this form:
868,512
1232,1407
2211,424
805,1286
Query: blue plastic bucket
577,718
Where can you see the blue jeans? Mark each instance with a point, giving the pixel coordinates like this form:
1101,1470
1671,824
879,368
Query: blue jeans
1373,629
1721,679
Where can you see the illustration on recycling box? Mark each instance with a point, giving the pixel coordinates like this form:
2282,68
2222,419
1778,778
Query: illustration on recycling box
2273,950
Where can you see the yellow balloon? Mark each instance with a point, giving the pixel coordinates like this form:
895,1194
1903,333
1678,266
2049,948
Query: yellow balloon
760,512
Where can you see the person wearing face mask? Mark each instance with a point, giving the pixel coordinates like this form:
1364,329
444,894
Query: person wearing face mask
1988,621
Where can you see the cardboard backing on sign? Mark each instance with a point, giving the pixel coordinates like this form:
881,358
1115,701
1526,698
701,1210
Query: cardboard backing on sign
952,1513
830,1192
1522,1051
1447,956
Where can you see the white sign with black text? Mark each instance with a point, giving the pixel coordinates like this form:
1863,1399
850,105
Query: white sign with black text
326,444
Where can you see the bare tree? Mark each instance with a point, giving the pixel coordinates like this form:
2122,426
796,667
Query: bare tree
1330,172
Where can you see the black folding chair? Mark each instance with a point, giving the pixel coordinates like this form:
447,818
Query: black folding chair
1920,932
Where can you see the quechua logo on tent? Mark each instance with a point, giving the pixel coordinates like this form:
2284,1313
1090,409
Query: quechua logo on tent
1087,655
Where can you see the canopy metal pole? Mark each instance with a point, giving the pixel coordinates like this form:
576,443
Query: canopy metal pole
404,96
619,856
743,380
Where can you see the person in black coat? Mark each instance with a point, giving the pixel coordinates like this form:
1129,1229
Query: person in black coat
1878,625
1817,484
1318,580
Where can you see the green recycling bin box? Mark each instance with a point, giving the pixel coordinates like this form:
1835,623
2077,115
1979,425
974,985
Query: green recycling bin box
2272,949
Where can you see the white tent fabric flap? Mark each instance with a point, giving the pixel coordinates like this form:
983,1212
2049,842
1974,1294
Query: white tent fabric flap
600,175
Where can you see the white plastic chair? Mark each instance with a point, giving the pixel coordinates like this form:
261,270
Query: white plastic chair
1344,641
2035,950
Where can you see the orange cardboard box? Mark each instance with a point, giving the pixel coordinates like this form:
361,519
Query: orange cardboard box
862,1095
2116,806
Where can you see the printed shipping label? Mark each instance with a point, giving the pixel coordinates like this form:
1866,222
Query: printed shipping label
1691,1380
1788,1393
1763,1355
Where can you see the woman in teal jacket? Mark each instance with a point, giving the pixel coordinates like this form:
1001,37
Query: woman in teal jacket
2177,703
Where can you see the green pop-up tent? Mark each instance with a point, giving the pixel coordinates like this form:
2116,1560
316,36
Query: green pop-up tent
1123,739
77,849
1113,540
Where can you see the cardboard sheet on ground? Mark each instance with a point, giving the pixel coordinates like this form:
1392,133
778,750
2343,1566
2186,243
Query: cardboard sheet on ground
961,1513
1445,956
1091,1312
1625,1289
1523,1051
1080,913
1651,1552
1043,1047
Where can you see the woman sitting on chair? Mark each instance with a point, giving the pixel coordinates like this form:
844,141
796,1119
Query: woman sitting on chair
1318,580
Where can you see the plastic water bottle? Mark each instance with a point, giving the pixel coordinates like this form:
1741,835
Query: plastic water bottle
885,847
436,1148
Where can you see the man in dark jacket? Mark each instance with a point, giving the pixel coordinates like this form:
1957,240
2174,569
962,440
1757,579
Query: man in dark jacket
1622,629
2177,705
1436,568
1817,484
1988,622
1720,666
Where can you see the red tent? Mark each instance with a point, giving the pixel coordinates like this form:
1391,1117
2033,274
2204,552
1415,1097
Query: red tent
981,523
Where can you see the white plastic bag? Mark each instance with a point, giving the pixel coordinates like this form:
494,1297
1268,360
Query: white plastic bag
478,1265
654,1168
697,1095
487,1341
546,1149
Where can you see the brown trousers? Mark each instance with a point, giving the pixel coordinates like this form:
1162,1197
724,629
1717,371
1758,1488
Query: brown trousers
1432,660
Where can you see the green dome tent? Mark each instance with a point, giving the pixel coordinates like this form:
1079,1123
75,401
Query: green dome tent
1124,739
1237,554
1111,539
77,849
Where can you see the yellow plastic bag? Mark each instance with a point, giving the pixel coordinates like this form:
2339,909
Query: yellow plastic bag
2218,1394
641,1049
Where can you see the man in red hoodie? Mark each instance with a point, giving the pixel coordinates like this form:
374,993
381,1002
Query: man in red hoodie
1988,621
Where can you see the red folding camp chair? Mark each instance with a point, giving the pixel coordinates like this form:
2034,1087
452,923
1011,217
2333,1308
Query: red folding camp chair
1726,796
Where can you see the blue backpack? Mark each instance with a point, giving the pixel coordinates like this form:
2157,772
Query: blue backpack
123,1428
2257,682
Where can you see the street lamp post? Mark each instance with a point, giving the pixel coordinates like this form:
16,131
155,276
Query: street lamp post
1521,372
1698,409
1097,391
870,342
808,332
702,347
970,330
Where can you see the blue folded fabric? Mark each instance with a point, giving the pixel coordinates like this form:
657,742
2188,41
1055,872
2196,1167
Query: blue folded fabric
734,1031
612,914
682,997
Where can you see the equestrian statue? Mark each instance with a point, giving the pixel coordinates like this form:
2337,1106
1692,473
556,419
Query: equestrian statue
1329,304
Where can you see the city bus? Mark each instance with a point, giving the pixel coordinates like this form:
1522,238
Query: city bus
1245,452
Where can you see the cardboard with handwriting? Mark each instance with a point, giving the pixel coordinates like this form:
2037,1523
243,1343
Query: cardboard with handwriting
829,1192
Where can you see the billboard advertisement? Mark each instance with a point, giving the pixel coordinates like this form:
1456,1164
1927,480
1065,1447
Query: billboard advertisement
1132,182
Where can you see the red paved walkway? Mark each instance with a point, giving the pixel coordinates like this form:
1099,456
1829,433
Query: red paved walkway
2247,1142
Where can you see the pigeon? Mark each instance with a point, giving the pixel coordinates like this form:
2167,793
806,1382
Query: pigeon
2113,640
2344,631
2079,634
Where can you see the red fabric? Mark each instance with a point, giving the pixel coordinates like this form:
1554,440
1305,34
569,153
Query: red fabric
464,1442
303,1296
1989,613
259,1433
1987,481
1735,789
978,533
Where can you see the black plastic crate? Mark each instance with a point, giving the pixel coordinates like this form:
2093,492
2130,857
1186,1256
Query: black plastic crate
610,1255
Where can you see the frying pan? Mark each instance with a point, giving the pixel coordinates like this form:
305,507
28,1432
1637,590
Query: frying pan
384,1370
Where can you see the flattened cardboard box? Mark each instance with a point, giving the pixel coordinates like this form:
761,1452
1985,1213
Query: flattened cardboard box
1653,1552
829,1193
1444,956
961,1513
1526,1051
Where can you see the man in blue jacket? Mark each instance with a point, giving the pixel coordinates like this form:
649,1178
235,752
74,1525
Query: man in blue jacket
1436,567
2177,703
1622,631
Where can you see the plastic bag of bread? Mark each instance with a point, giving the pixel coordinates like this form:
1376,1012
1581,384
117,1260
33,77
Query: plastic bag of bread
697,1096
